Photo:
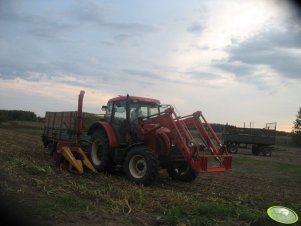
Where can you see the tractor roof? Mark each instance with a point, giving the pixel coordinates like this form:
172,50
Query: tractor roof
142,99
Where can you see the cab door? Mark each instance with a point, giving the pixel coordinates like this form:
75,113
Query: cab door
119,120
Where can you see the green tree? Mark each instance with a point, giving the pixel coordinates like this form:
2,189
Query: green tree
11,115
297,129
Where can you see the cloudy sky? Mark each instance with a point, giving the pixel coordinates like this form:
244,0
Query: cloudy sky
237,61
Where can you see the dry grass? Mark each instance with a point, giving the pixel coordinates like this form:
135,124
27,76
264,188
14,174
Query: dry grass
59,197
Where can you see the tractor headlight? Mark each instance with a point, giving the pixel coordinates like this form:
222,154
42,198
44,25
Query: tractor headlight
190,144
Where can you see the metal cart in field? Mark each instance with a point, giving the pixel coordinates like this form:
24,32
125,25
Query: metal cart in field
260,139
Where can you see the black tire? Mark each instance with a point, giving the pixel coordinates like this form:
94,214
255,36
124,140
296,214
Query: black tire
51,148
99,152
232,148
59,159
182,172
267,151
255,150
141,165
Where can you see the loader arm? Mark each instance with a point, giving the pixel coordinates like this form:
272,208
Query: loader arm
179,129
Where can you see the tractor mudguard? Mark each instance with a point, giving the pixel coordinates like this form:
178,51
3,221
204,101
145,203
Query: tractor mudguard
109,131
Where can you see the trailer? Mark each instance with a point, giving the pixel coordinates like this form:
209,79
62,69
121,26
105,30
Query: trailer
260,139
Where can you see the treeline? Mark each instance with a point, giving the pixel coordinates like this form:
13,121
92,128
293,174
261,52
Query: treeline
18,115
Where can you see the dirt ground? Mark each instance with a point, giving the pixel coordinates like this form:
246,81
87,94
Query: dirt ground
35,192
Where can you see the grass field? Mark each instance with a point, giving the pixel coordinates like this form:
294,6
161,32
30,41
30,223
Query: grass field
34,191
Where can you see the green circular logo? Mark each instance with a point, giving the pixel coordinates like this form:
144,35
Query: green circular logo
282,214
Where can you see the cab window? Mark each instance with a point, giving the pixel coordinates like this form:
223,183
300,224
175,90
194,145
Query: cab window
109,110
120,110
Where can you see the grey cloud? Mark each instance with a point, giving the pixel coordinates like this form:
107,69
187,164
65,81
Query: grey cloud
148,74
142,73
32,44
195,28
52,31
295,9
201,75
12,11
121,37
90,12
279,49
86,11
238,69
273,49
17,14
79,16
133,27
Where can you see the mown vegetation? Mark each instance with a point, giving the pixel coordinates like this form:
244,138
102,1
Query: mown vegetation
31,184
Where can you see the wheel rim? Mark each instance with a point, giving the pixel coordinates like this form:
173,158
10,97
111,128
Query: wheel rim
233,148
181,170
267,152
138,166
97,151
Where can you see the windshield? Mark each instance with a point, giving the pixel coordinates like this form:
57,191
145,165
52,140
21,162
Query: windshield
143,109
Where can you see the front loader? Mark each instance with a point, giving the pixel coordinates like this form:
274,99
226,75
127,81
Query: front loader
138,134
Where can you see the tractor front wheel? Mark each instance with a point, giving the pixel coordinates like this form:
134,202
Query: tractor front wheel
141,165
183,172
99,152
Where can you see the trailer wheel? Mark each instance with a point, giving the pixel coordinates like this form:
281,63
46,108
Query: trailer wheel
255,150
141,165
267,151
232,148
182,172
51,147
99,152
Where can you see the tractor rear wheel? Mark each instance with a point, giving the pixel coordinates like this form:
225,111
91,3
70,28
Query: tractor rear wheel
141,165
182,172
99,152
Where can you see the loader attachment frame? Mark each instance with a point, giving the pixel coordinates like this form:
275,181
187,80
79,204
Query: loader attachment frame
196,154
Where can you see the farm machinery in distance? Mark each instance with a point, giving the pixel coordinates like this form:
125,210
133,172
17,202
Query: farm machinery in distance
260,139
138,134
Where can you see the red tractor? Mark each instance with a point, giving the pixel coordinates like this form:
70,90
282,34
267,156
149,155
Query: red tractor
139,134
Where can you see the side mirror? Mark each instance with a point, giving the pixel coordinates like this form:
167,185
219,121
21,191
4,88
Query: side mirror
104,108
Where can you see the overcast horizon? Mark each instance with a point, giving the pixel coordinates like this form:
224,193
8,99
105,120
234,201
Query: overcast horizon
236,61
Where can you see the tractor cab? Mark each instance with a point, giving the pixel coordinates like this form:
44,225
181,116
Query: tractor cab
122,114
